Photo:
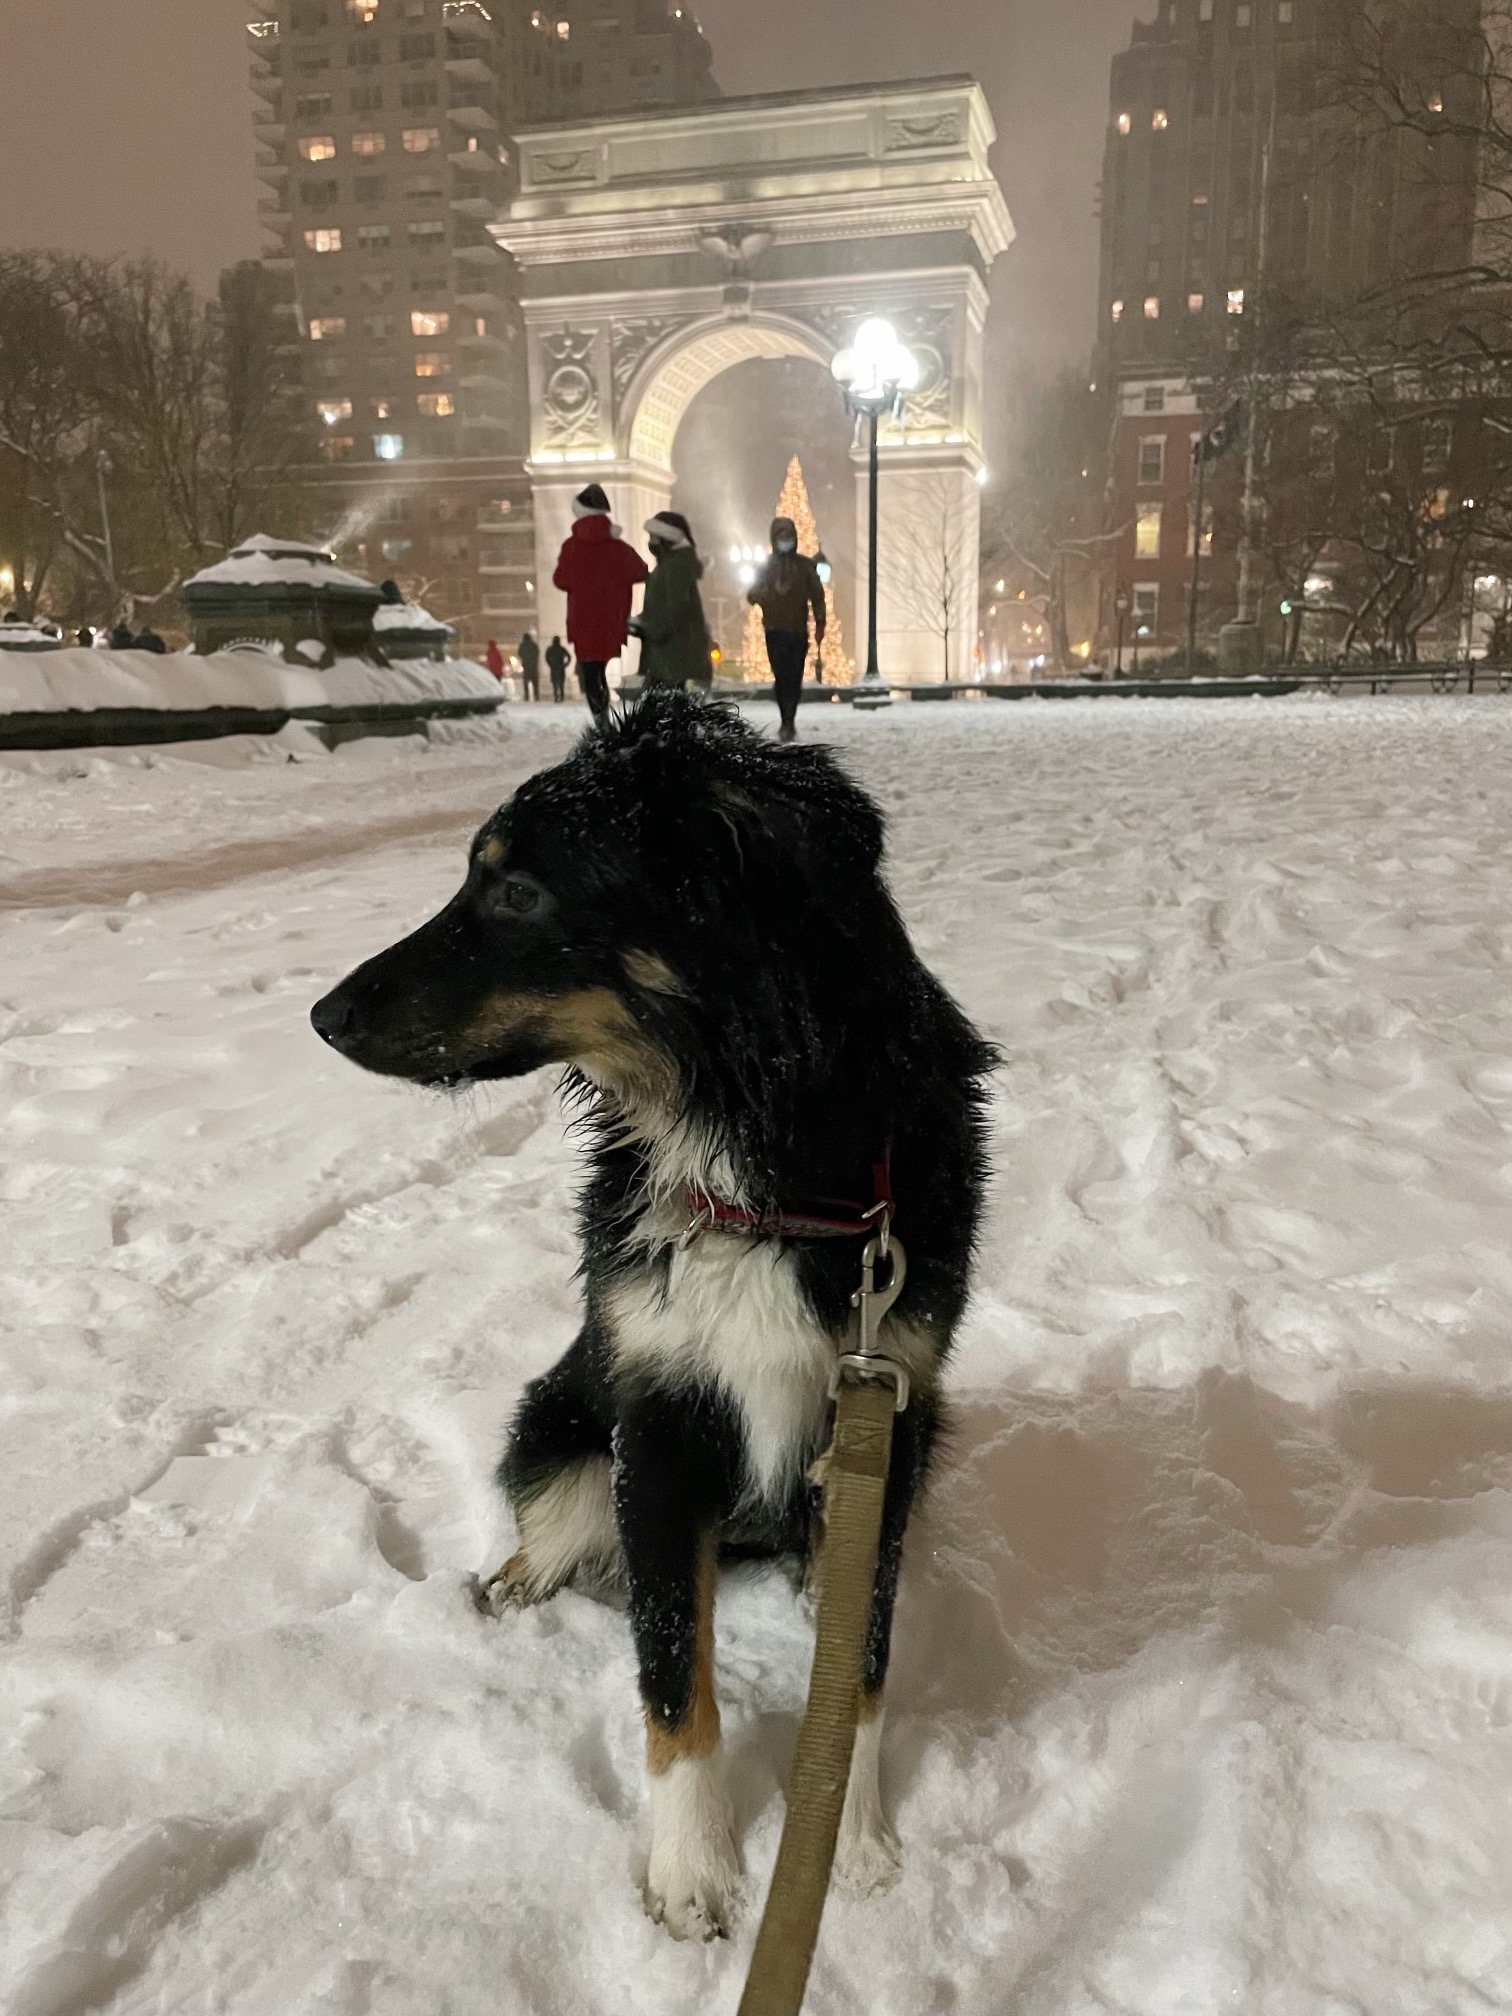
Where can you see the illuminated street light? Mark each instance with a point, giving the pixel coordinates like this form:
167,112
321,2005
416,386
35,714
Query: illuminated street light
876,374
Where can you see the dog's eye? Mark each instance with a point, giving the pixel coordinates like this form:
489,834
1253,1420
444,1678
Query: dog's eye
512,896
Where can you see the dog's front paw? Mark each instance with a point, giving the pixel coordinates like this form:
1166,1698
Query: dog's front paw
693,1878
868,1860
696,1907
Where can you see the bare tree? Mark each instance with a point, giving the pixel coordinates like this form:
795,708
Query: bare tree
927,560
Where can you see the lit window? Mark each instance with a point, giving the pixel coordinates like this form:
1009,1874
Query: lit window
336,447
429,322
1152,453
564,31
1146,610
325,240
1118,311
383,409
1160,120
363,11
367,143
388,447
324,327
396,549
334,411
436,405
1435,101
432,364
1152,307
1147,531
421,139
1196,303
318,147
480,325
1125,123
1236,300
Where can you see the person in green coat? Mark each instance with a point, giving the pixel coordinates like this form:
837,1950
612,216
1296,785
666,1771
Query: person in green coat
673,630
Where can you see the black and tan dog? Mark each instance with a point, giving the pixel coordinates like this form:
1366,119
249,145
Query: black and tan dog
694,921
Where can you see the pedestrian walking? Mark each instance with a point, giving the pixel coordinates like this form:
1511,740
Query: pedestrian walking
672,625
493,658
86,638
149,640
558,658
530,665
599,574
786,590
121,638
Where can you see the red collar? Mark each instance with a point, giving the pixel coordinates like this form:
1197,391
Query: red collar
829,1217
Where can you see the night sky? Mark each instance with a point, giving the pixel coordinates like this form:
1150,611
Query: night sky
126,122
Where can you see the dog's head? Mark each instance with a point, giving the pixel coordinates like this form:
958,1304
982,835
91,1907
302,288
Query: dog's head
679,886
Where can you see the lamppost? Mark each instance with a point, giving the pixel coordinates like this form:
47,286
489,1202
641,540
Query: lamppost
1121,604
826,574
103,467
876,375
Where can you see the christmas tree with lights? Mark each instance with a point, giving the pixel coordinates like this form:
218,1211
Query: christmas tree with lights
838,668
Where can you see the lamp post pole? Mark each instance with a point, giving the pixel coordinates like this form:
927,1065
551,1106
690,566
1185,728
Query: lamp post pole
873,665
102,469
876,374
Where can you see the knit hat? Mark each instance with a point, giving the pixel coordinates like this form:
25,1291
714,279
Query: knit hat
670,527
591,503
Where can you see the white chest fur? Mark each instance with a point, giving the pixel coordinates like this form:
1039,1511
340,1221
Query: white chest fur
732,1312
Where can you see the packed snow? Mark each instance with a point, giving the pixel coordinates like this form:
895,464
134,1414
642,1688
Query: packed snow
1202,1697
62,681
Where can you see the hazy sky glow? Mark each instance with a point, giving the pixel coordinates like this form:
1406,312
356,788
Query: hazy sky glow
126,121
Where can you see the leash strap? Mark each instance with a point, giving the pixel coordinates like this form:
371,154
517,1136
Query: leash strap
854,1489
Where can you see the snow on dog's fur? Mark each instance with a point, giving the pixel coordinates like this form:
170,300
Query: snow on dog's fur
695,923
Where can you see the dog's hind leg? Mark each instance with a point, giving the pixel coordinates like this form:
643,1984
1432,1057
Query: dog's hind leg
868,1857
556,1474
667,1495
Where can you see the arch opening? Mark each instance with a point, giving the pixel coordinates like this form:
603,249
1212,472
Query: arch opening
675,379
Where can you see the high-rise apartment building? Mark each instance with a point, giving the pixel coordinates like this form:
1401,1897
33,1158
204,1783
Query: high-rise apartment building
384,134
1241,179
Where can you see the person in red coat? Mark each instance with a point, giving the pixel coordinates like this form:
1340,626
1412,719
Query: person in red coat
494,659
599,574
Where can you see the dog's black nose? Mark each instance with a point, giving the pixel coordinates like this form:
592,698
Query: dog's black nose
332,1018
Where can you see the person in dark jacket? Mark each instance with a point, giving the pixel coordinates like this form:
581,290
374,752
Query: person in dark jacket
493,658
558,658
672,627
86,638
530,665
599,573
786,590
149,640
121,638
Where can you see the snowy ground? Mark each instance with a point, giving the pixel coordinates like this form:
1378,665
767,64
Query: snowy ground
1203,1695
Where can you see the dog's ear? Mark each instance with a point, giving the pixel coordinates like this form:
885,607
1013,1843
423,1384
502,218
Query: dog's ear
806,809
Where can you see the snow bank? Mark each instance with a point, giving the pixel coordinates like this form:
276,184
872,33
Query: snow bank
55,681
1202,1697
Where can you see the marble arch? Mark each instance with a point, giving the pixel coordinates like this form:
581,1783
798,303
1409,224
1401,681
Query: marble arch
656,252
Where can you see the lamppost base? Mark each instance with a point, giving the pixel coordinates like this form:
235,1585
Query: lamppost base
871,694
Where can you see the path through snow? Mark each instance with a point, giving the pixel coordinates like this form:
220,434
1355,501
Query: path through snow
1203,1697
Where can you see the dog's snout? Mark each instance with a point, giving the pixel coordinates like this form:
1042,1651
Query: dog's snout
332,1018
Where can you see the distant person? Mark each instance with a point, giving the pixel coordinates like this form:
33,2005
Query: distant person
121,638
786,590
530,665
86,638
149,640
558,658
599,574
672,625
493,658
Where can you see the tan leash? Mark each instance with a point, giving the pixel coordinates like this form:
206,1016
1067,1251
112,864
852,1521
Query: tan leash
870,1391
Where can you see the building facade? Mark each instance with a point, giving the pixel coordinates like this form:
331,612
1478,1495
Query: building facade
384,132
1243,194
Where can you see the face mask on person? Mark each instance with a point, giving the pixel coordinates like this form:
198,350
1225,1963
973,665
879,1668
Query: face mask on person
787,545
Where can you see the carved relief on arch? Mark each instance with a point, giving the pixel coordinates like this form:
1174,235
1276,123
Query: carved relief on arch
571,409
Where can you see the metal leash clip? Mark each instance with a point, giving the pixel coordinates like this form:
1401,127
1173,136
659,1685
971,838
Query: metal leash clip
866,1362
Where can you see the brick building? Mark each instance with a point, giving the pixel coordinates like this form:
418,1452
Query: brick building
1239,185
383,129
